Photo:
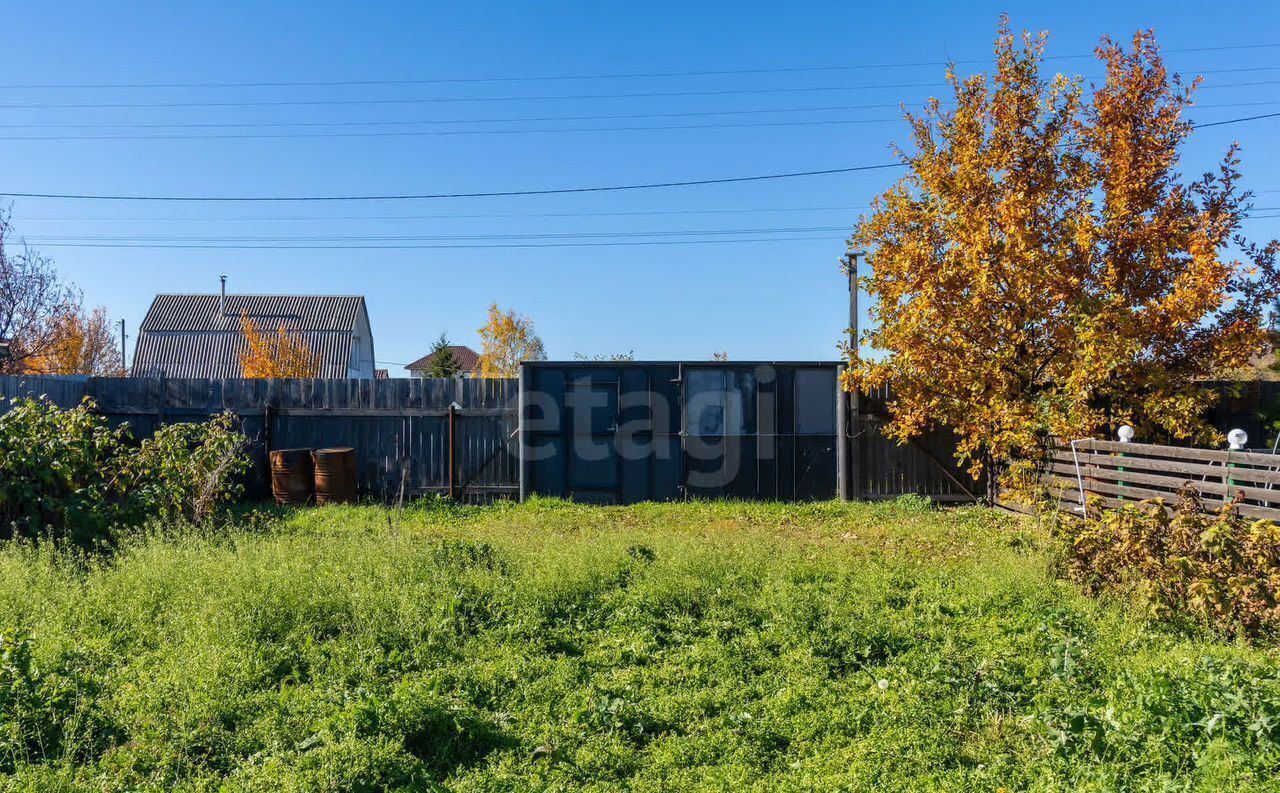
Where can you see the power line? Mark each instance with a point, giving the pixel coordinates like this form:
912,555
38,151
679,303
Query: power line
449,216
613,76
449,133
1236,120
509,119
418,246
461,242
477,216
573,235
518,131
535,98
453,99
513,193
453,237
446,246
491,194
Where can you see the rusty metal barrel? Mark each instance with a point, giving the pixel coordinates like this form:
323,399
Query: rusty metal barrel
292,481
335,475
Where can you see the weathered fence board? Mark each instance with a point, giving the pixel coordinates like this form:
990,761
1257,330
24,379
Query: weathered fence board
887,469
64,391
400,431
399,428
1122,473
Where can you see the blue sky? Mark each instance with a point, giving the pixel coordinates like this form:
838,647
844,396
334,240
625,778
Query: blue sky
775,299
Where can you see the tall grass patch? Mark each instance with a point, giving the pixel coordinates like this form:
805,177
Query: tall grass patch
655,647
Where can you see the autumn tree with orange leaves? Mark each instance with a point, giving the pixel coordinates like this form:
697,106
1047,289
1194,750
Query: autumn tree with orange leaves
1044,269
33,299
508,339
79,342
279,354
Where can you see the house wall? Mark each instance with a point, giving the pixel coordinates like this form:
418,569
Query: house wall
361,364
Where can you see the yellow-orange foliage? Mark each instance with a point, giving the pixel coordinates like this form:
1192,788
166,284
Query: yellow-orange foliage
79,343
1043,268
508,339
281,354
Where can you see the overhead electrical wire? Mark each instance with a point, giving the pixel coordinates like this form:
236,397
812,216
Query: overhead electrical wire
514,193
510,119
508,193
534,131
512,244
421,246
450,216
454,99
419,238
448,132
613,76
1235,120
535,98
497,241
435,133
464,216
457,237
489,194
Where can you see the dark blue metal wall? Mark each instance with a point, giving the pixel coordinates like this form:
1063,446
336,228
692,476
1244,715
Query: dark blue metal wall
621,432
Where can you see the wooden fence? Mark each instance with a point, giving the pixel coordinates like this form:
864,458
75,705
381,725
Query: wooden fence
886,469
402,430
1124,473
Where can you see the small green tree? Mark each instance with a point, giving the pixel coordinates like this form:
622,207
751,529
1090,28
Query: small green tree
442,362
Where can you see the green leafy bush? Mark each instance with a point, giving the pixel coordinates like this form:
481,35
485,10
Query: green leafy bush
184,471
67,473
1217,568
58,470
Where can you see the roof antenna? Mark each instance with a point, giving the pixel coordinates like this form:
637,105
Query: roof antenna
222,300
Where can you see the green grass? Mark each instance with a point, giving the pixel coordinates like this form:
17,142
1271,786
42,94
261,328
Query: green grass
549,646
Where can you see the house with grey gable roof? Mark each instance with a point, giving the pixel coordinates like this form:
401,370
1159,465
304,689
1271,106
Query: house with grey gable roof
200,335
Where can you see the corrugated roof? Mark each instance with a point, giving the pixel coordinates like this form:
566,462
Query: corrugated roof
218,354
466,357
299,312
189,336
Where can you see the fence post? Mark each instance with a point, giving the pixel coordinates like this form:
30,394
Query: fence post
1075,459
522,391
160,384
842,438
1236,439
453,420
1125,433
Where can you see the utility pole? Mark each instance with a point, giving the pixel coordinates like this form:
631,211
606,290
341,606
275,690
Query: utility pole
851,268
849,407
124,358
